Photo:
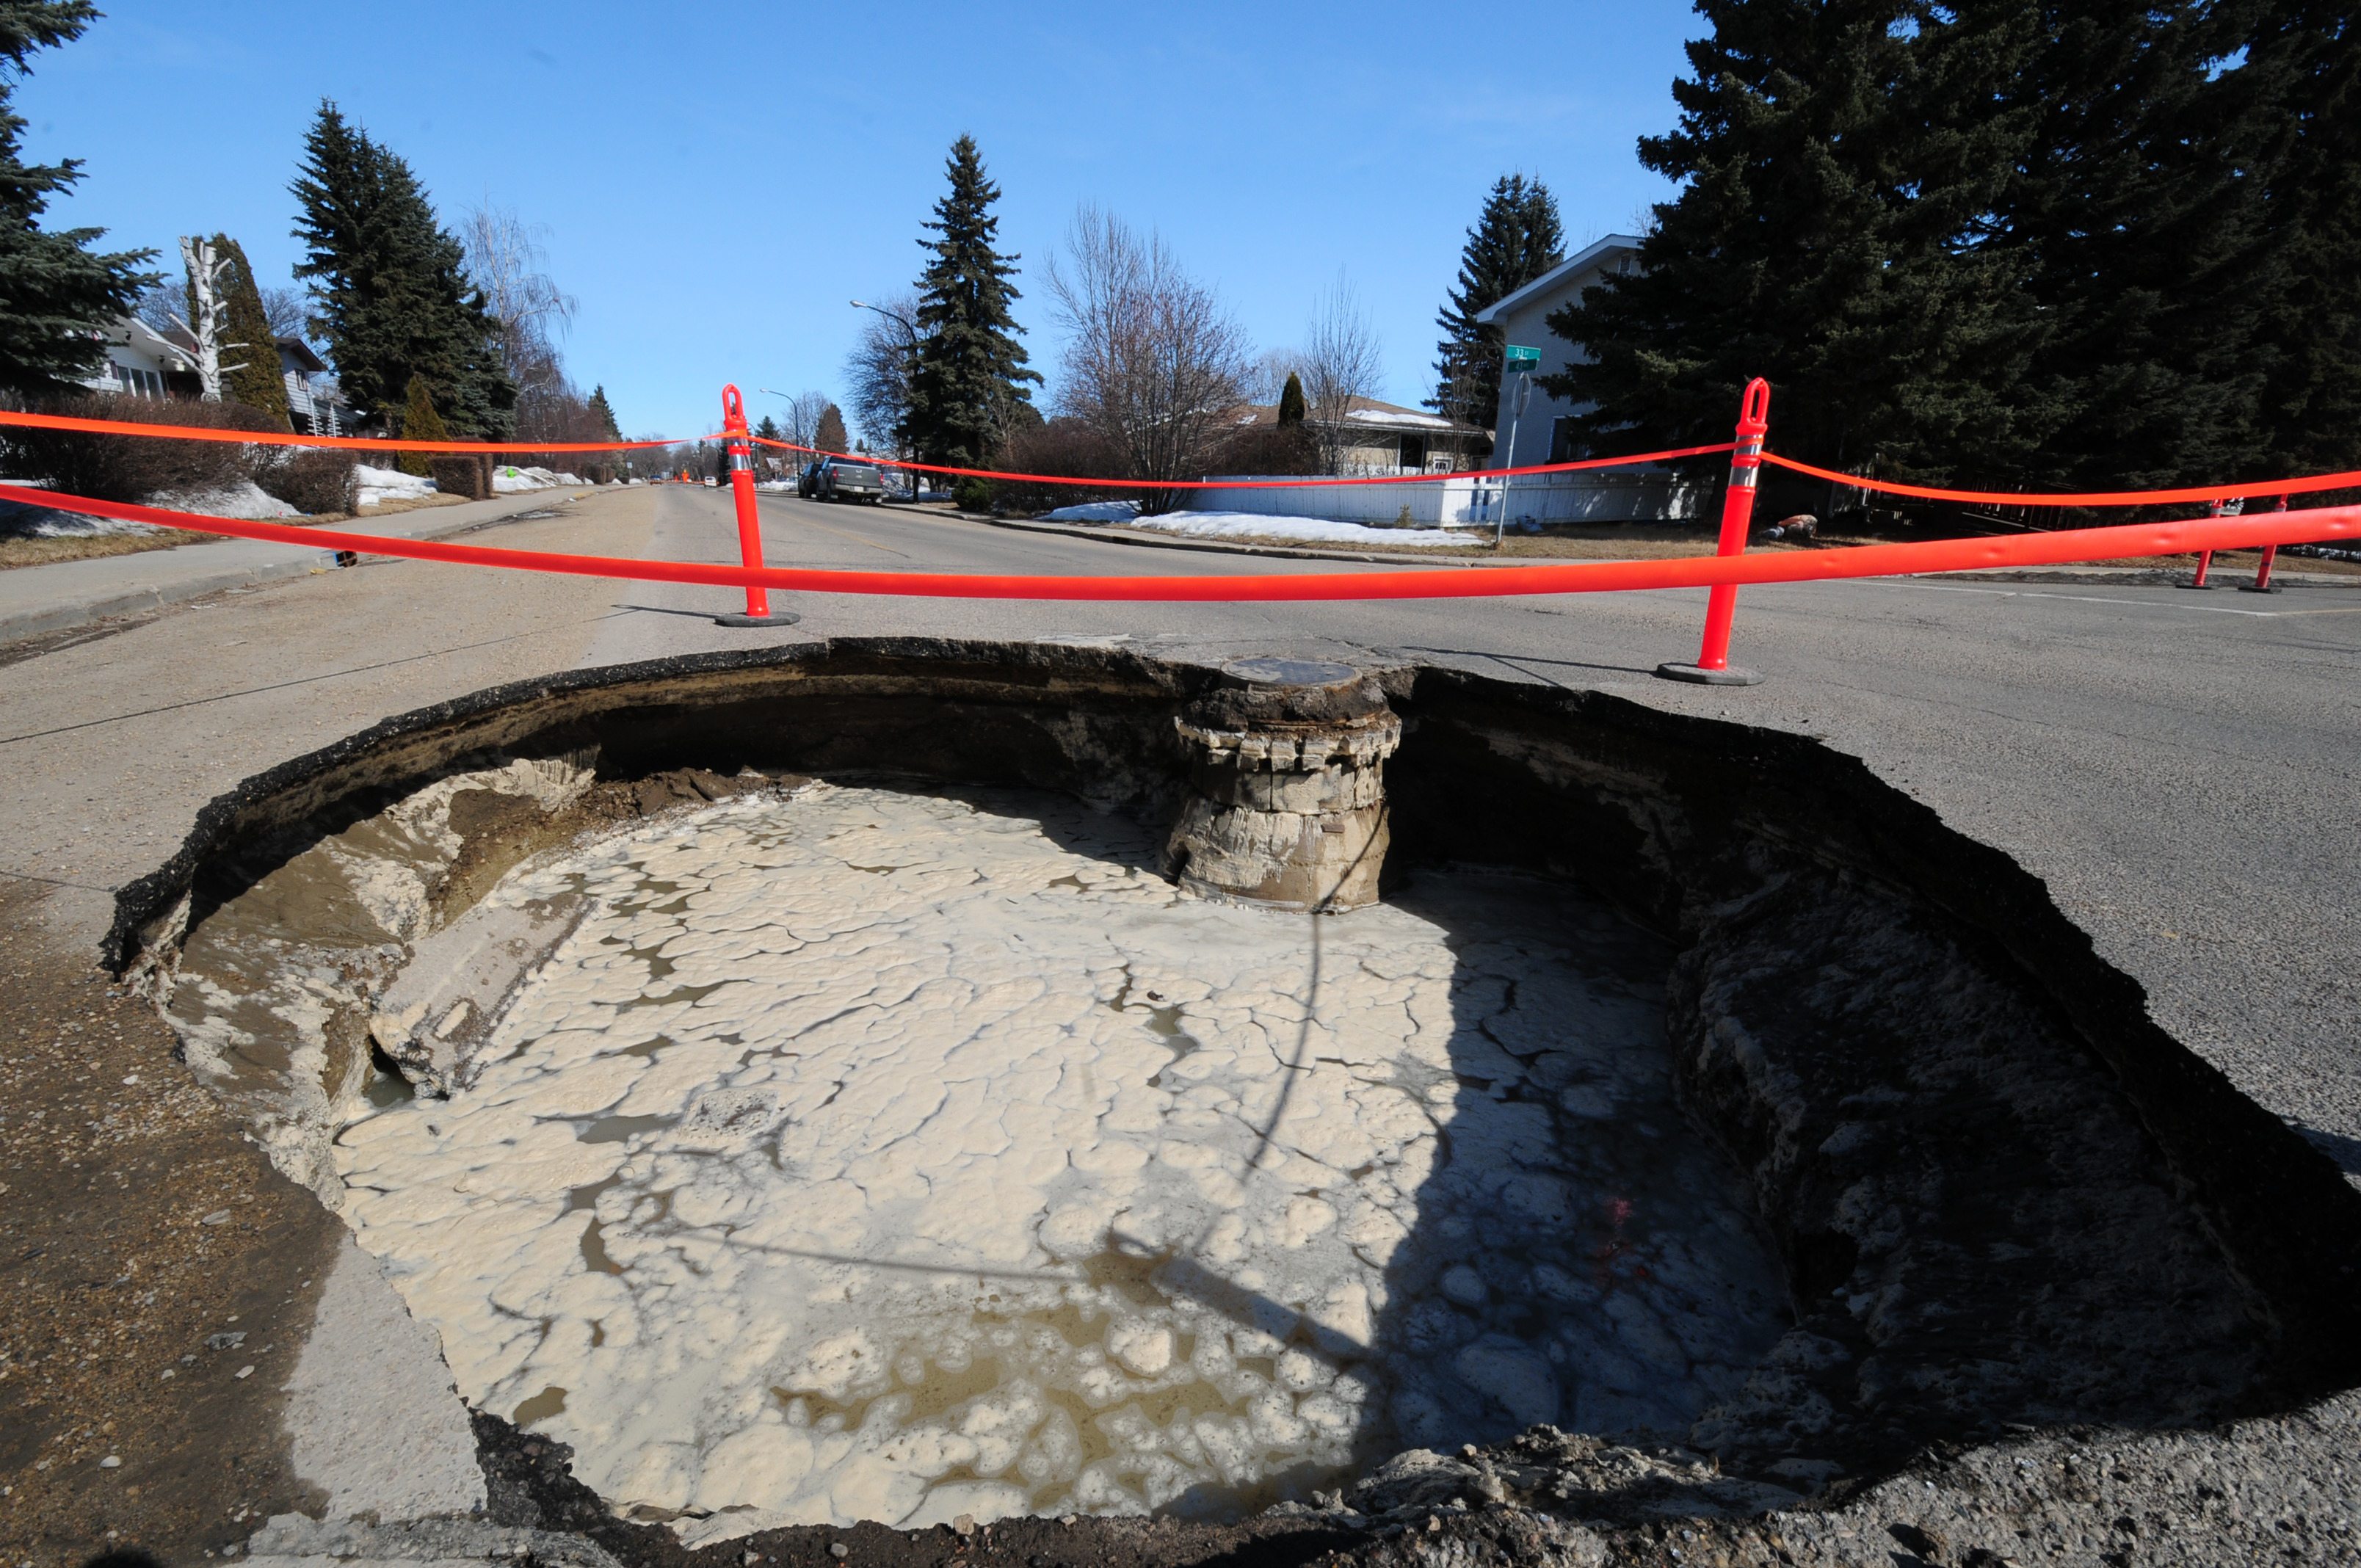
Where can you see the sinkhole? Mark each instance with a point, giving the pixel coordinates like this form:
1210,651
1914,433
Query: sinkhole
898,1082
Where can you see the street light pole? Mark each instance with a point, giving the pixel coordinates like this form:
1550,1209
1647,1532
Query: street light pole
909,387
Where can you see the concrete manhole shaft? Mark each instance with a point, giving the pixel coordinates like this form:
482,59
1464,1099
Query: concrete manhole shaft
1287,803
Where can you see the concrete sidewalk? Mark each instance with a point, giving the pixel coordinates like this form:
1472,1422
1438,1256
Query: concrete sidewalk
35,600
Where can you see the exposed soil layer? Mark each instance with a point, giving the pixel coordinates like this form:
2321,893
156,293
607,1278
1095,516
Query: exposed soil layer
2004,1198
157,1278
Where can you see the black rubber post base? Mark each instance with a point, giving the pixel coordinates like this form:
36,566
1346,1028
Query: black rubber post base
776,617
2201,587
1698,674
2250,588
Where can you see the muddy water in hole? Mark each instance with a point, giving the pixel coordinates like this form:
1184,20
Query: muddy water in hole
867,1154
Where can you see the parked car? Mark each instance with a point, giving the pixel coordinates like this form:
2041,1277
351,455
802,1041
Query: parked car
841,479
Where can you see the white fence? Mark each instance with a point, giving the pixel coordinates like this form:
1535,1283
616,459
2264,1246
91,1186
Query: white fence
1472,503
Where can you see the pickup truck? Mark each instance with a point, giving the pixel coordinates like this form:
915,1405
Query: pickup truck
841,479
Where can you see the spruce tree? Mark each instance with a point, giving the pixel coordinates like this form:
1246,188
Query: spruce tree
2302,81
2137,226
1836,161
420,421
830,435
1517,237
55,291
971,372
1291,400
393,285
255,382
603,413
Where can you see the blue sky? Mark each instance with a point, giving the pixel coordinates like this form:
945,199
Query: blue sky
719,182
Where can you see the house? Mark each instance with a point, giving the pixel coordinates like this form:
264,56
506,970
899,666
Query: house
1523,320
1374,438
1540,431
144,363
141,362
313,403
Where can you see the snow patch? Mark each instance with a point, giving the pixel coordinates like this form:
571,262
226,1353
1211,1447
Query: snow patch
244,499
1254,525
506,480
373,486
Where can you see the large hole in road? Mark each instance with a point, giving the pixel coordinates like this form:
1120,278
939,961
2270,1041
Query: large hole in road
796,1083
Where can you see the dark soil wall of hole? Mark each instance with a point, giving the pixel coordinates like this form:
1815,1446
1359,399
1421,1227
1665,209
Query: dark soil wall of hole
2000,1194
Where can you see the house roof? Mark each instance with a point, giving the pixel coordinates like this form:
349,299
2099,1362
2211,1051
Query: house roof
132,332
295,348
1370,413
1588,257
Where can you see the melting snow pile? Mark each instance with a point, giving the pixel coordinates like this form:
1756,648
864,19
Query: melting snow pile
373,486
244,499
860,1155
507,479
1256,525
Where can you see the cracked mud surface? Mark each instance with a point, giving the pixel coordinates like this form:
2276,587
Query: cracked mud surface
862,1154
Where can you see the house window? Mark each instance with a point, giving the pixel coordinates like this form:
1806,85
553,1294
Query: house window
1563,440
1413,453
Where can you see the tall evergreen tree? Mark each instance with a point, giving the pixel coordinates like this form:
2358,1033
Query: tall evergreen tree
1291,400
2302,76
55,291
604,413
2078,243
1837,158
971,372
2138,224
255,381
394,297
830,435
1517,237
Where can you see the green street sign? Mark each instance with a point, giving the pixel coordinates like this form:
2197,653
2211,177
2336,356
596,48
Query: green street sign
1523,359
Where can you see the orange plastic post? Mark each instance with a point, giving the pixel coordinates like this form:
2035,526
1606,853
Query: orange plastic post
1712,666
737,440
2198,579
2262,583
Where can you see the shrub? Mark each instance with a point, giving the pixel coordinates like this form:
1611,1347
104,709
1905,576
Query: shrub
972,495
312,482
129,467
1060,446
1271,449
461,473
420,421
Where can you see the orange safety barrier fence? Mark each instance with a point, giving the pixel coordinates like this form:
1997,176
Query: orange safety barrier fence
1481,582
1723,573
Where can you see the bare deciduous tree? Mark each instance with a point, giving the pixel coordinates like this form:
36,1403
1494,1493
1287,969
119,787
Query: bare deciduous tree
878,370
800,424
287,309
1342,366
505,259
1154,365
1267,378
